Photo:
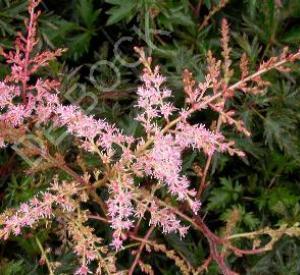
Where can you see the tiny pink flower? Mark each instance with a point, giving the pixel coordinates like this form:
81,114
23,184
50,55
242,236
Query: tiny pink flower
83,270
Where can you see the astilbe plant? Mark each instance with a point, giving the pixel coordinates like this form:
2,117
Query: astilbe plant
127,162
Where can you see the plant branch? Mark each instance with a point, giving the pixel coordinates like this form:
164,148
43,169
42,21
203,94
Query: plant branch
140,250
44,255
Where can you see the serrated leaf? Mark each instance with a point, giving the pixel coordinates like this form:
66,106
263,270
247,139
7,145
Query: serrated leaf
80,44
121,10
222,196
87,12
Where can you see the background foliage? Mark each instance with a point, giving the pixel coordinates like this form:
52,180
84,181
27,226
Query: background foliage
264,186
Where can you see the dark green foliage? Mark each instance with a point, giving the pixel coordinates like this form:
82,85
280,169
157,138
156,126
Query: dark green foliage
283,260
264,186
222,197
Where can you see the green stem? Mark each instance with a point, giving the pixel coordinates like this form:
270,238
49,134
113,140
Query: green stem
44,254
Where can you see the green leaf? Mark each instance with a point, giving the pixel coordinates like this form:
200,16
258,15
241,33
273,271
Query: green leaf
246,218
278,129
222,196
13,268
278,200
121,10
178,17
208,3
80,44
87,12
292,35
252,7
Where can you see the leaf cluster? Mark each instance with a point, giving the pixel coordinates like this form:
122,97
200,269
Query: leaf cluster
263,187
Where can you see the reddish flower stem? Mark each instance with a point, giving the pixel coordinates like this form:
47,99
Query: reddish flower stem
29,42
140,250
234,86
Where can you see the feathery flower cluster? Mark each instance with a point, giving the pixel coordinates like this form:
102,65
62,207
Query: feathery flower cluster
28,215
120,210
7,93
165,218
153,162
94,132
19,100
152,97
164,162
198,137
40,207
85,244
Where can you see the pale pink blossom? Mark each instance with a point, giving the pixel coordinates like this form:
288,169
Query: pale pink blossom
38,208
93,130
117,242
120,210
195,205
7,93
83,270
28,214
198,137
152,100
164,162
165,218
